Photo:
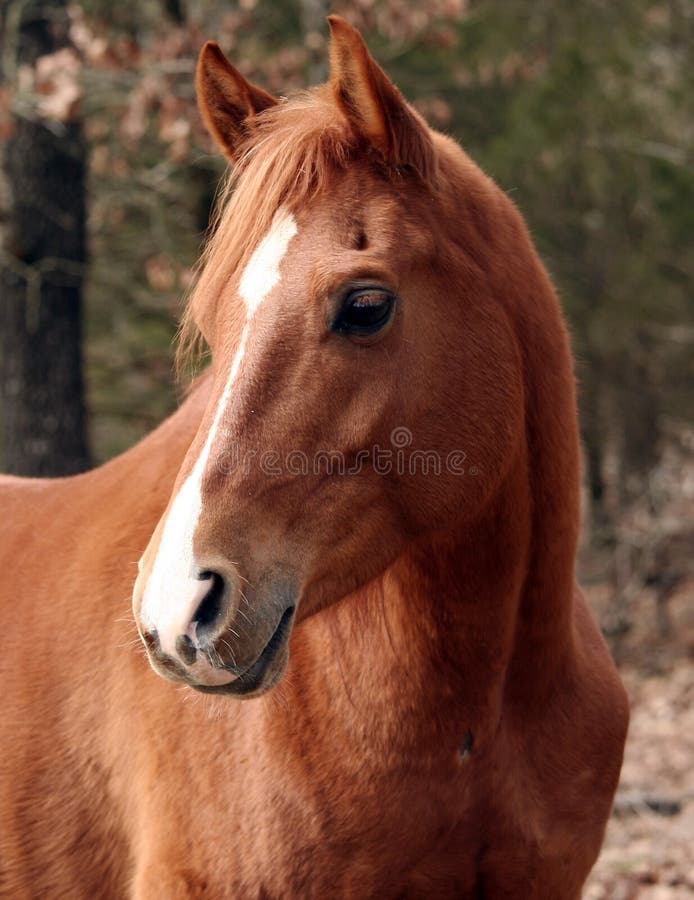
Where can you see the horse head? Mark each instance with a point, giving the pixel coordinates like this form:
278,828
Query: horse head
359,297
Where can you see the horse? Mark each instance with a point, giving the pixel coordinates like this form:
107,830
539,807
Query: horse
356,541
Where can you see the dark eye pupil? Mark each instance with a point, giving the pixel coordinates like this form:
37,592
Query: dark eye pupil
364,312
368,309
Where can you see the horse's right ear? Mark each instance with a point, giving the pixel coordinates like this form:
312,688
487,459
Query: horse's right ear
227,101
372,103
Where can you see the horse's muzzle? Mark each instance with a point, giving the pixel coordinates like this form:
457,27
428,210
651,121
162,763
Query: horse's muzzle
231,642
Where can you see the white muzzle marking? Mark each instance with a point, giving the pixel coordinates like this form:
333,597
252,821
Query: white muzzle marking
174,590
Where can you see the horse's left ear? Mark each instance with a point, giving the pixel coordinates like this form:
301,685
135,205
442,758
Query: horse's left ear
373,104
227,100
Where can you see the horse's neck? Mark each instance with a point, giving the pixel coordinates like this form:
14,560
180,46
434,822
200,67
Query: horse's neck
157,459
469,621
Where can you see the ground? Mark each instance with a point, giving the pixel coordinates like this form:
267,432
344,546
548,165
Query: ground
649,847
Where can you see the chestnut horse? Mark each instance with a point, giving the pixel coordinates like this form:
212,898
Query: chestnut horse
363,521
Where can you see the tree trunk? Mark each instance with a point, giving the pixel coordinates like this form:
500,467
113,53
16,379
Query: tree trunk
42,246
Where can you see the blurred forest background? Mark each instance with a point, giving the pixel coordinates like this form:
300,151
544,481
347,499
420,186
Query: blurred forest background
582,111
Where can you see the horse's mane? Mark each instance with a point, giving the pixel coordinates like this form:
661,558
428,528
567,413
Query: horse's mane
287,158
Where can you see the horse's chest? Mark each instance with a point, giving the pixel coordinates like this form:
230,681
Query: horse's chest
355,833
314,826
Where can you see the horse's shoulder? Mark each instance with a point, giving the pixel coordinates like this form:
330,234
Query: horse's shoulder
22,498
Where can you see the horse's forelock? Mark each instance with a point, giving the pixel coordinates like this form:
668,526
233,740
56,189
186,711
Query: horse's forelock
289,157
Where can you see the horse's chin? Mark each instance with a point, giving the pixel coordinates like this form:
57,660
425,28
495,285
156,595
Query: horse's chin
254,682
268,667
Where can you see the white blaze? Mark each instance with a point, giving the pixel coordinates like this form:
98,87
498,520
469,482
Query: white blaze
262,272
173,592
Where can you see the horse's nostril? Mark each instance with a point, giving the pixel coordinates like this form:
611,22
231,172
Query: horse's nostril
186,649
151,639
211,608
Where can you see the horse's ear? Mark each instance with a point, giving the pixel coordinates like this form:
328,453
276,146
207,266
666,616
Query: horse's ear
373,104
227,101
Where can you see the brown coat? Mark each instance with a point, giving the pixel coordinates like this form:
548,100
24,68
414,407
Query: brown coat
450,723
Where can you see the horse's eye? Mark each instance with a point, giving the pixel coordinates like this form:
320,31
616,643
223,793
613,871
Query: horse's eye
364,311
